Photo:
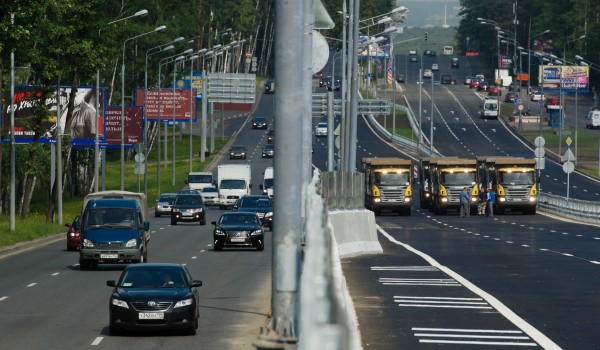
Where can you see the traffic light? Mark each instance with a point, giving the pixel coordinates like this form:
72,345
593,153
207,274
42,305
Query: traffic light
426,36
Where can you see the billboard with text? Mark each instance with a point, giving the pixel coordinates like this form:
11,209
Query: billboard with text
176,104
134,123
565,79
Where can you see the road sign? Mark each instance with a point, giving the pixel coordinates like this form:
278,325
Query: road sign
540,163
319,105
516,100
374,107
140,158
568,157
568,167
415,171
231,87
569,141
248,54
539,152
520,107
539,141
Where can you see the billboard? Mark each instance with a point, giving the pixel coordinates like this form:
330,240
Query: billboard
178,102
196,81
565,79
84,124
134,123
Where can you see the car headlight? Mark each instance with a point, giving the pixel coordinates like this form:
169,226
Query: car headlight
119,303
269,214
219,232
185,302
256,233
132,243
199,210
88,244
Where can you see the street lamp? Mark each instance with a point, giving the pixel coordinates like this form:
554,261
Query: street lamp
150,52
570,41
157,29
96,140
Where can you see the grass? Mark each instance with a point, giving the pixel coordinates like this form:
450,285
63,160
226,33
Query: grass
34,226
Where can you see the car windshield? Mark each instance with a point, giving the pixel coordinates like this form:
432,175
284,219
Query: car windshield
188,200
233,184
168,198
209,189
239,219
321,125
490,106
153,278
254,202
269,147
113,217
237,149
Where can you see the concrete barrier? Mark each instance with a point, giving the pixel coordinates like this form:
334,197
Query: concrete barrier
355,232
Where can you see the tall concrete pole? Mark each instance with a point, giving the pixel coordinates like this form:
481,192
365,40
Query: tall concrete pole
354,91
344,86
349,93
289,106
12,135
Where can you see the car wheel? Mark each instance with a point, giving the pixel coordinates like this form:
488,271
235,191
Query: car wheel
173,222
156,214
69,248
217,248
114,331
84,265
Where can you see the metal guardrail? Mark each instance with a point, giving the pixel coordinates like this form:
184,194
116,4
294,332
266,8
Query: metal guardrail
580,210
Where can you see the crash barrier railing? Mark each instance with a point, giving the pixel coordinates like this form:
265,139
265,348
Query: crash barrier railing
586,211
401,141
343,189
326,320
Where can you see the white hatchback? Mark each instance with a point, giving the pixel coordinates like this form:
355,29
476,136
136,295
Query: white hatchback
427,73
321,129
435,67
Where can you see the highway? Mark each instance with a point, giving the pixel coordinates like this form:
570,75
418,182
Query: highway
509,281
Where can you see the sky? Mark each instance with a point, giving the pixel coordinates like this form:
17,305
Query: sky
430,12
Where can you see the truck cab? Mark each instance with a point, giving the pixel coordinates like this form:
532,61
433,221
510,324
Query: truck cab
489,108
199,180
388,185
448,178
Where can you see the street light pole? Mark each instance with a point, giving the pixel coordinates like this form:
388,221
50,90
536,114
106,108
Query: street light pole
97,140
157,29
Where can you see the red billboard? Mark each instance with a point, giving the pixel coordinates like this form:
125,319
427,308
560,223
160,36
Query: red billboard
133,126
181,102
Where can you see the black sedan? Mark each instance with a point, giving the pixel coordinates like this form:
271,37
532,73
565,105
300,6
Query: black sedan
268,150
260,123
154,296
237,152
238,229
258,204
188,207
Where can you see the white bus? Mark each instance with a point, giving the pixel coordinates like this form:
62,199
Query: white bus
448,51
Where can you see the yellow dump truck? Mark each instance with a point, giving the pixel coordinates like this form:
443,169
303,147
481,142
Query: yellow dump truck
388,185
447,178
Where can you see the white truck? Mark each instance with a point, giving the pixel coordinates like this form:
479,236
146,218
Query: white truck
199,180
234,182
267,184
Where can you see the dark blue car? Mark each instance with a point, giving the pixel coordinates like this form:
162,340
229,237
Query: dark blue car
238,229
259,204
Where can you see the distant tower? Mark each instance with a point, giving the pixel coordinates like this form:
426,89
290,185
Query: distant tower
445,18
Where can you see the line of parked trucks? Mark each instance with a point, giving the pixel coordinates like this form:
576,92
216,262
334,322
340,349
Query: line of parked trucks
389,183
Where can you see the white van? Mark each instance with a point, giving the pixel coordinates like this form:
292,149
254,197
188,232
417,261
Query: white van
592,119
489,108
267,184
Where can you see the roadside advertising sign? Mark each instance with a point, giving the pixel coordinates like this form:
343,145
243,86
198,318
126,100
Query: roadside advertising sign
567,79
178,102
134,122
84,124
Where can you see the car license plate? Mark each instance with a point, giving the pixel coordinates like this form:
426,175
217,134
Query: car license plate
151,315
109,256
237,240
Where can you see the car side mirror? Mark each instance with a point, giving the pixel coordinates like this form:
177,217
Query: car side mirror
196,283
213,223
146,225
111,283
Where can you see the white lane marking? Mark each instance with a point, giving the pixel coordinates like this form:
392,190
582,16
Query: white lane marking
31,284
510,242
56,273
97,341
3,298
194,257
459,330
202,250
419,282
535,334
403,268
472,336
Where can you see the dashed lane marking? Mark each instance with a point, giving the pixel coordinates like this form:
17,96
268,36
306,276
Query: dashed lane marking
442,302
3,298
31,284
489,337
442,282
97,341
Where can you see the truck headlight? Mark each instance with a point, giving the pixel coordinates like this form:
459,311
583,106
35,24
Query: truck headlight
377,200
88,244
502,199
132,243
444,199
407,199
532,199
